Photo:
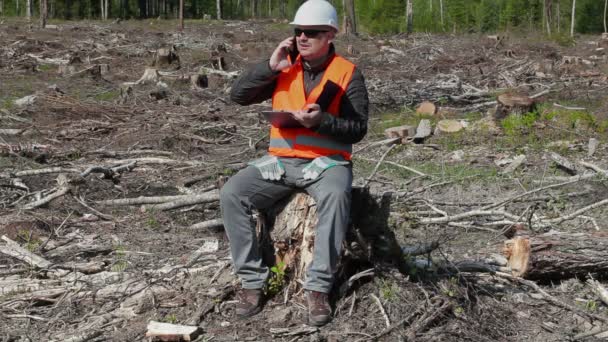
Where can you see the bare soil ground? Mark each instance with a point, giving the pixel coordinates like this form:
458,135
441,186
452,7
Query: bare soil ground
114,267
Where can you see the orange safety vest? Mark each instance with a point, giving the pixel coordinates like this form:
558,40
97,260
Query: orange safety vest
289,94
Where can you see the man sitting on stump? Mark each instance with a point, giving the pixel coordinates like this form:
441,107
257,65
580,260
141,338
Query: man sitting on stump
326,95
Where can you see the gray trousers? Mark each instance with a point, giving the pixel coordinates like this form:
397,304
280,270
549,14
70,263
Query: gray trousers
247,190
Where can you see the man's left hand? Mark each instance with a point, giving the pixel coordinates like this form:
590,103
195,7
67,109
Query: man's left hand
310,116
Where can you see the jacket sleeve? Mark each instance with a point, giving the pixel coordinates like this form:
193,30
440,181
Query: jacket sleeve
351,126
255,85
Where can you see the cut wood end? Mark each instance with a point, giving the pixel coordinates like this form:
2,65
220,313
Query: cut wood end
518,252
172,332
426,107
449,126
512,100
400,131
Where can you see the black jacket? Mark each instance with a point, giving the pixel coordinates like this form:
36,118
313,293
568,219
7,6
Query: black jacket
258,83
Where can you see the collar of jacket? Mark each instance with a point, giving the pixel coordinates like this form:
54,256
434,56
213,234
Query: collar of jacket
330,56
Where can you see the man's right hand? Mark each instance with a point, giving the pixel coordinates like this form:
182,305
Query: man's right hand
278,60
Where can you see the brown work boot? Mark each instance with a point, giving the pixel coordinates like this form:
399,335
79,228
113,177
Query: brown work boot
319,311
250,302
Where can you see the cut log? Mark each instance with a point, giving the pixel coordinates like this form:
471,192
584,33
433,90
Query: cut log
513,104
287,232
554,256
172,332
563,163
403,132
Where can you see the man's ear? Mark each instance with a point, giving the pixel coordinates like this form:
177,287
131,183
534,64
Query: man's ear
331,35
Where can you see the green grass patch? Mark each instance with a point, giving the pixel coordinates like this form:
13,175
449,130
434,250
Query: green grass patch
109,95
47,67
459,171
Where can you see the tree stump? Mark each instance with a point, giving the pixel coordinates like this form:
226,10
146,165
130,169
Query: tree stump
513,104
165,57
287,233
557,256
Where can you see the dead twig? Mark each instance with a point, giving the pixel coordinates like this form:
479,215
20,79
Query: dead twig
386,319
377,166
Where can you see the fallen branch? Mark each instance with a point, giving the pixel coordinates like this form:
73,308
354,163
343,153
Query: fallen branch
188,200
427,319
303,330
397,165
598,289
141,200
386,319
378,165
215,223
550,298
13,249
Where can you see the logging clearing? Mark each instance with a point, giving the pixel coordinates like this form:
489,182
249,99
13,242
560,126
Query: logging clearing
479,209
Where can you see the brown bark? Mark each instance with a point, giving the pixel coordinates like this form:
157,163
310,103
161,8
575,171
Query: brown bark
181,15
409,12
558,255
513,104
350,21
287,232
43,13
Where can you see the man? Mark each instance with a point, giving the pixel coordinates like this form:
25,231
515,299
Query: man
326,95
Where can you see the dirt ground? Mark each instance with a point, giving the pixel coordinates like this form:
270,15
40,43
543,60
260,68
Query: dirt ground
98,133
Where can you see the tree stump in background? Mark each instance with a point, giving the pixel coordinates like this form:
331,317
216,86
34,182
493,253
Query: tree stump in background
166,57
513,104
555,256
287,233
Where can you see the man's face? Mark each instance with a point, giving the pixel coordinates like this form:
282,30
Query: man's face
313,41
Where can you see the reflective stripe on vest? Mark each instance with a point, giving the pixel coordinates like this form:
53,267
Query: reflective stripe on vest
289,94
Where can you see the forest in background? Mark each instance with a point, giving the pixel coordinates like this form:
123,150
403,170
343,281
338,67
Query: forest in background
554,17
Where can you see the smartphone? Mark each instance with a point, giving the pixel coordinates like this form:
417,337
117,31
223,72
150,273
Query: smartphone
293,51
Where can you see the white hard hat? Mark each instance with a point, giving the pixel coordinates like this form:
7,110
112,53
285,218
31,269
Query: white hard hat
316,13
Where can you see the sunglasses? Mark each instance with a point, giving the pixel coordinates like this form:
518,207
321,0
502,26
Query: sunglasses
309,33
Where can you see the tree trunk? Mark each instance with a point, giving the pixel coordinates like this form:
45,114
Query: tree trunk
547,15
43,13
28,9
572,20
605,8
558,18
181,15
350,20
102,7
286,233
218,8
409,13
283,10
554,256
441,13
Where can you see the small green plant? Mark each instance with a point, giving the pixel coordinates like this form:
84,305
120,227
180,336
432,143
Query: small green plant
591,305
107,95
46,67
152,222
517,125
120,263
172,318
388,291
31,243
277,278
